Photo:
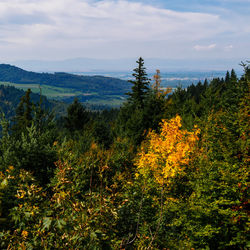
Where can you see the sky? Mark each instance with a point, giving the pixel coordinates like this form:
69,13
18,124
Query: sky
165,29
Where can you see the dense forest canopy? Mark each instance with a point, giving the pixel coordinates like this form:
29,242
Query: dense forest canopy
168,170
10,98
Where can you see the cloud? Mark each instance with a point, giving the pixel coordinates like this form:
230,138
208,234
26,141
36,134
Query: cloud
4,43
228,47
105,20
68,28
24,18
205,47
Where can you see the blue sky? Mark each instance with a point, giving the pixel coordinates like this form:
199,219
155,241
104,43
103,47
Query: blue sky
241,6
166,29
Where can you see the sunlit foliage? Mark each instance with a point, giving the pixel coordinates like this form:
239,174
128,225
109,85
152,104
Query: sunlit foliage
165,155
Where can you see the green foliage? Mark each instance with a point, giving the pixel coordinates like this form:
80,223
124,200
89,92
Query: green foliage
76,117
101,188
188,103
102,133
143,110
23,116
10,98
218,204
130,123
33,152
29,145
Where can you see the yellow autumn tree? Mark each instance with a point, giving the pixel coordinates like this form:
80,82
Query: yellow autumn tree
166,154
156,86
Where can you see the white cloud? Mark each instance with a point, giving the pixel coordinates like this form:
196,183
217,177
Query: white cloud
68,28
228,47
106,19
205,47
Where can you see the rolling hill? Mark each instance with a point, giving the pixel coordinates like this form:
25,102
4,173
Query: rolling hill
65,86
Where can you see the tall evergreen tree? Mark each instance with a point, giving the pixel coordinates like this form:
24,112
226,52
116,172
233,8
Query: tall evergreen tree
140,85
233,76
227,79
145,107
23,117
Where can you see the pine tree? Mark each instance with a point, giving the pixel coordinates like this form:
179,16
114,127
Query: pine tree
140,85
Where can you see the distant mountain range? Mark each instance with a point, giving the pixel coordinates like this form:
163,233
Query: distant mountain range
127,64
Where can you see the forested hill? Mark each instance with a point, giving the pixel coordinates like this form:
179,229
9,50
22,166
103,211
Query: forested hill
10,98
99,84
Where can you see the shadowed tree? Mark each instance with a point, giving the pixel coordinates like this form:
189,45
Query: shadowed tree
76,117
23,117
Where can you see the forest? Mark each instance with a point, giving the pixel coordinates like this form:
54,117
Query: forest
167,170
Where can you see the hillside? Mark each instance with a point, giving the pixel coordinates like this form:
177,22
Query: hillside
11,96
66,86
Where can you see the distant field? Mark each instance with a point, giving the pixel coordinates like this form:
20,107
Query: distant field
49,91
66,94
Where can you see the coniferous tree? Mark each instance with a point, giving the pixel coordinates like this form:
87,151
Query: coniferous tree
77,116
227,79
130,121
28,108
205,83
140,85
233,76
18,120
23,117
145,107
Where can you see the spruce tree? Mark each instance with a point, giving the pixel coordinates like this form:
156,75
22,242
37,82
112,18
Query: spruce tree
233,76
228,77
140,85
23,117
145,106
77,116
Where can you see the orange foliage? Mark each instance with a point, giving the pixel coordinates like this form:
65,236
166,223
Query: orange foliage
165,155
160,92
